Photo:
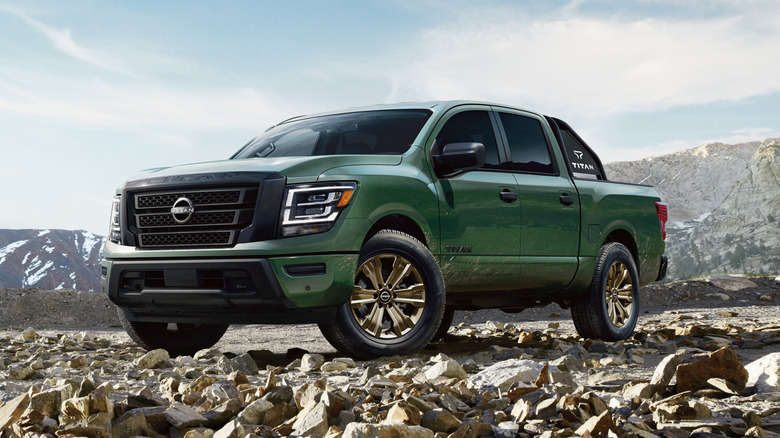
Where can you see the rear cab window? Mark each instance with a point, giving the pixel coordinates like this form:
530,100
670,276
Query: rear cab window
582,161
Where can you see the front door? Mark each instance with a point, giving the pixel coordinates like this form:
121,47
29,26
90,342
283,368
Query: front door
479,214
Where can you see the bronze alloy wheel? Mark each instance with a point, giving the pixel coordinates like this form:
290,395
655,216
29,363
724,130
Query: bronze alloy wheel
389,296
619,294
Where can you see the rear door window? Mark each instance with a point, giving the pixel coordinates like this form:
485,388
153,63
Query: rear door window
528,147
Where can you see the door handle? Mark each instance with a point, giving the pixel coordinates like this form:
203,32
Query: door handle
566,200
508,196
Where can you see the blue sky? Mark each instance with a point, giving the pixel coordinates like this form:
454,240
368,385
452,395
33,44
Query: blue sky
92,91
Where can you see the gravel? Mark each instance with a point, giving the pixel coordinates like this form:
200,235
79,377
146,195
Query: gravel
76,336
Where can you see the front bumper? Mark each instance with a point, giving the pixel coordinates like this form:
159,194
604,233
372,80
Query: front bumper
295,289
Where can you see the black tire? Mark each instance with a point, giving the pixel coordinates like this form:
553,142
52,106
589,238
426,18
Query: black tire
444,326
177,339
385,319
610,309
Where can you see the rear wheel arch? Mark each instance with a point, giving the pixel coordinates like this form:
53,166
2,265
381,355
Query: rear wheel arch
625,238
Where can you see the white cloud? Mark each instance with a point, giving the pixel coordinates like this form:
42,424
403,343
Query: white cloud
128,104
588,65
62,40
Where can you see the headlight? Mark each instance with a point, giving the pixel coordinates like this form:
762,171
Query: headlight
115,230
312,209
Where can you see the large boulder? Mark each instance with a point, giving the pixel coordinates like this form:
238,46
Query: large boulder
693,372
764,373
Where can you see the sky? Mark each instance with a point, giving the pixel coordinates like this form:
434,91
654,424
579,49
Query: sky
93,91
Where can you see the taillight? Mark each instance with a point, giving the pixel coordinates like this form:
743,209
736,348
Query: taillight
663,215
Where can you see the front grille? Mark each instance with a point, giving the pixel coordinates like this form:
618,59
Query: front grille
192,218
210,197
198,218
166,240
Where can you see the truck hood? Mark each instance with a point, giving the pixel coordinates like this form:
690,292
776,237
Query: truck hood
291,167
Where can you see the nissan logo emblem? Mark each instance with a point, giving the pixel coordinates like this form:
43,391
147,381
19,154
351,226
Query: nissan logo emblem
182,210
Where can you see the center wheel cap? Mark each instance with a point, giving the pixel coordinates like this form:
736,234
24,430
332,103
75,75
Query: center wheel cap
385,296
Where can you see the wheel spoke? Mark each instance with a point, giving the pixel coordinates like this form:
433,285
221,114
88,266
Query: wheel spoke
372,323
611,277
360,297
622,313
626,294
373,270
414,295
400,270
623,272
401,322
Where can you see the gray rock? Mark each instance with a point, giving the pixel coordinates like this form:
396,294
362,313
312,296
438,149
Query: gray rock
244,363
440,420
730,283
640,390
312,422
224,412
153,359
181,416
29,334
506,429
311,362
764,373
448,369
665,371
333,366
21,373
503,374
131,423
367,430
279,394
232,429
12,411
254,412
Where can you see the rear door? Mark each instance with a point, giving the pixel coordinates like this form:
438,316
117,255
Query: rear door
548,203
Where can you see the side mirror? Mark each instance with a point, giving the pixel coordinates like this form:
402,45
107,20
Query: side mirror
457,158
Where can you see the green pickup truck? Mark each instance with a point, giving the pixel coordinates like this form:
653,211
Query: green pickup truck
377,224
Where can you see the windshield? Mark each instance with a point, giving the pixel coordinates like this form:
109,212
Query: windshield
388,132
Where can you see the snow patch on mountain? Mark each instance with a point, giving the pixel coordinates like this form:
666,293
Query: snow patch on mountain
50,259
10,248
34,275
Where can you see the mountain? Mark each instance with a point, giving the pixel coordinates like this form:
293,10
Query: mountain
724,206
50,259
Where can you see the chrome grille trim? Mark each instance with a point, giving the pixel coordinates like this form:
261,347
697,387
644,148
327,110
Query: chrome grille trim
214,217
219,214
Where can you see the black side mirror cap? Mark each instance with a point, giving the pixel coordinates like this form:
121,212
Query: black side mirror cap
458,158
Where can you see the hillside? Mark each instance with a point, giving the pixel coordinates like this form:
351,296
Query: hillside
724,206
50,259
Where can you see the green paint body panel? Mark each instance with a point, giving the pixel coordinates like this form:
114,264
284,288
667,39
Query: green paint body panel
492,253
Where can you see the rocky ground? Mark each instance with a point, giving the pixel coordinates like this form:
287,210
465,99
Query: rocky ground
705,361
